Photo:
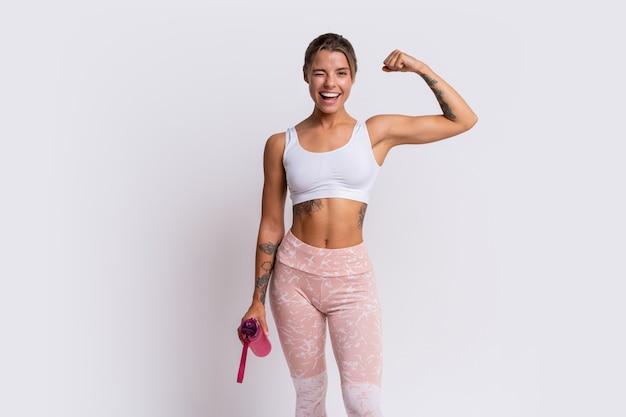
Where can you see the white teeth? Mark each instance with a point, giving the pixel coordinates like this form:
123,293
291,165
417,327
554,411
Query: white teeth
330,95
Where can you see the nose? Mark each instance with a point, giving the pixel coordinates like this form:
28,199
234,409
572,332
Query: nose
329,81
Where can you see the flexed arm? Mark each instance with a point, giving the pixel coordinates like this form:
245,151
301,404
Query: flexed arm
457,116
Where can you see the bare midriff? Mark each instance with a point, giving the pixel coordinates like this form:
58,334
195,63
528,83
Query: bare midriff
329,222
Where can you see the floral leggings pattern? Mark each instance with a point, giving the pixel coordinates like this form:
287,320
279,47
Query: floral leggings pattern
314,287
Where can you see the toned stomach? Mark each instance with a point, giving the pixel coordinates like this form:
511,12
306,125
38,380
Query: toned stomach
329,222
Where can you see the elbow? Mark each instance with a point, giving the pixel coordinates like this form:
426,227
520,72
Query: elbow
469,122
273,227
472,119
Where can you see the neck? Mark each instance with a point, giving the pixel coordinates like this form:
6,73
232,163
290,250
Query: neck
328,120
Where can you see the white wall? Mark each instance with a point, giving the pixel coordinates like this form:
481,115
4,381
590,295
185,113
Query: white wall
130,170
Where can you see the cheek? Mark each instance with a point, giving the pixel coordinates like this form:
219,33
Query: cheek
315,85
347,87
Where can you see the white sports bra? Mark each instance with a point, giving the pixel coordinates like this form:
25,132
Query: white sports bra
347,172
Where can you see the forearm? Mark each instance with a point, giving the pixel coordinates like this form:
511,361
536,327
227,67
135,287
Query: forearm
267,244
452,105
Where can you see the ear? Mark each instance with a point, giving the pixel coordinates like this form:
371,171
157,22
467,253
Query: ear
305,75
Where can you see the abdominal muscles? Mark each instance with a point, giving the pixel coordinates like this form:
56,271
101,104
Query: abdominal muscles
329,222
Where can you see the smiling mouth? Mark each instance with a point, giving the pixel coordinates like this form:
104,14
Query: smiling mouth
329,96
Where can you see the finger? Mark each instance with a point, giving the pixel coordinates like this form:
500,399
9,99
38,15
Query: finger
391,59
398,61
264,327
389,56
395,61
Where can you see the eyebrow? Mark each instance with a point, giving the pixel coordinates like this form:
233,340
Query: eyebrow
338,69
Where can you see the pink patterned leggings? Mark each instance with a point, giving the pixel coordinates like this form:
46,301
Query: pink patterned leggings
314,286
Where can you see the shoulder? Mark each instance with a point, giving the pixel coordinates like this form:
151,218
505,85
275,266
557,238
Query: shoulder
277,140
275,146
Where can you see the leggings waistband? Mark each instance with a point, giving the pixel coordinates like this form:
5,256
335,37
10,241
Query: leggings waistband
324,262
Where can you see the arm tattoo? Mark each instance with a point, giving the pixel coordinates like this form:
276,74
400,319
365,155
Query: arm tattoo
268,248
267,266
430,81
447,111
362,215
307,207
261,285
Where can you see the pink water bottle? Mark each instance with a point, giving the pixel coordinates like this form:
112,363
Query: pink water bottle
252,336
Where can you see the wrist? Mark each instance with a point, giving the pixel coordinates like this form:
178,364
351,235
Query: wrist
256,301
423,69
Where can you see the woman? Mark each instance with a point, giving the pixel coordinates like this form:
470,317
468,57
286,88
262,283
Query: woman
321,274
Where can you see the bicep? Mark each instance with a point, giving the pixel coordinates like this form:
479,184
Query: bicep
274,183
400,129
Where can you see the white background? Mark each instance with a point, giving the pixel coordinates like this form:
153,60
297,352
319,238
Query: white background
130,173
